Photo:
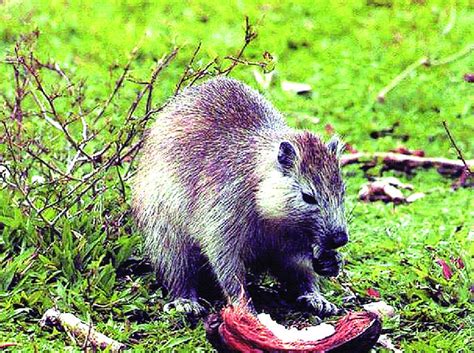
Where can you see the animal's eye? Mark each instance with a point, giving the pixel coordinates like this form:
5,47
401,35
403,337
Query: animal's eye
308,198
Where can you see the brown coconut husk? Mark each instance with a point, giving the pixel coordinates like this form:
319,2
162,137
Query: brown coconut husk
235,329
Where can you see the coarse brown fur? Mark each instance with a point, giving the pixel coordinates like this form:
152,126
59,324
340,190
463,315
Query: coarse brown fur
224,184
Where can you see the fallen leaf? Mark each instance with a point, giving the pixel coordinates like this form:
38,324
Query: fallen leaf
384,132
329,129
380,308
469,77
374,293
458,262
406,151
7,344
387,190
395,182
393,193
386,342
447,272
264,80
466,179
414,197
349,148
296,87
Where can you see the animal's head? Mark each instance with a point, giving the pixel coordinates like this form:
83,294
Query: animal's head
303,189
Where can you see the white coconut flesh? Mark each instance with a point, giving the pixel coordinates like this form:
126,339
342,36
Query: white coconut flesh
292,334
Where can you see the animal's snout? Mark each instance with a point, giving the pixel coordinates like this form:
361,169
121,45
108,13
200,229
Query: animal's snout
337,239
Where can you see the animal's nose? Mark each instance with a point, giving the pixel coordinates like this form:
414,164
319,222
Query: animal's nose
338,239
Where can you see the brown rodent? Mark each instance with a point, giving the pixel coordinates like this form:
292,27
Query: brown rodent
224,184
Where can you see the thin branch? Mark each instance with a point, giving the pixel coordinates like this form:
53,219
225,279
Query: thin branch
184,76
44,112
50,166
451,22
453,57
55,114
74,201
17,182
250,35
400,77
424,61
202,72
118,83
453,143
162,63
247,62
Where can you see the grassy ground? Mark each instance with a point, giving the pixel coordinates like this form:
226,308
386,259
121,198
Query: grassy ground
347,51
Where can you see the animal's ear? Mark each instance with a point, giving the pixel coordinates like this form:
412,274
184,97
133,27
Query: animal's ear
286,155
336,146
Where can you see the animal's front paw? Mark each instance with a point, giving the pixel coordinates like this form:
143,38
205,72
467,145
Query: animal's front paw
316,303
327,263
186,306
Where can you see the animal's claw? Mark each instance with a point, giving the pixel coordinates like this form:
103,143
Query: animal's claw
318,304
186,306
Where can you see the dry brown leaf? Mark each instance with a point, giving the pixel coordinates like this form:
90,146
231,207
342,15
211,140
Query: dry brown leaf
296,87
387,190
264,80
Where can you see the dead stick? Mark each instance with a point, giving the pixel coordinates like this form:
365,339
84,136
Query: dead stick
80,330
415,161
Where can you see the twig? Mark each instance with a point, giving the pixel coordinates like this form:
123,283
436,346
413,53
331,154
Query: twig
453,143
400,77
246,62
453,57
250,35
118,83
17,183
452,21
52,107
89,331
49,165
184,76
163,62
202,72
78,329
425,61
20,93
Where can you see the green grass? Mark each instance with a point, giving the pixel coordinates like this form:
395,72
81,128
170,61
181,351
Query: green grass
347,51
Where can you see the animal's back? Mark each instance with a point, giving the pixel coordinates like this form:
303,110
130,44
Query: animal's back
222,104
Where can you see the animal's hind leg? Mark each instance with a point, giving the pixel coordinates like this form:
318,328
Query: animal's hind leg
176,261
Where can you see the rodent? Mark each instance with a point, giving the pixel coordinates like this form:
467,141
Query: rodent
224,184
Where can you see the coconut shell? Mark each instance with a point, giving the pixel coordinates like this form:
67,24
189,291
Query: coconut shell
235,329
